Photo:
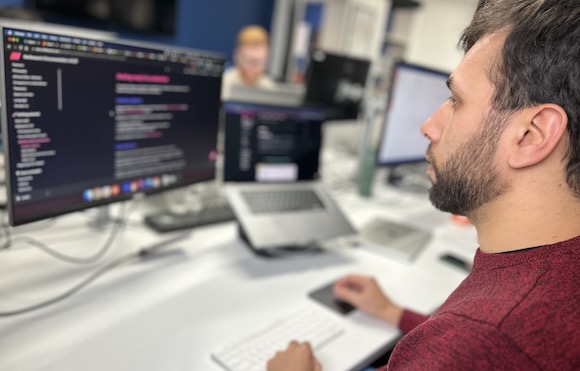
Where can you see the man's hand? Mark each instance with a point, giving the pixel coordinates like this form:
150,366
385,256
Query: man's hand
364,293
297,357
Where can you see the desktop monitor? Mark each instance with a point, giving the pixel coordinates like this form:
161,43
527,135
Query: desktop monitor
87,122
271,143
415,93
337,83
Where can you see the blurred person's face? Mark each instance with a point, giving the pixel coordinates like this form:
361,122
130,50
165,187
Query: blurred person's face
251,61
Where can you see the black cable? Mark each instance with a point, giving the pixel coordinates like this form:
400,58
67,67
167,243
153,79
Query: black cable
141,253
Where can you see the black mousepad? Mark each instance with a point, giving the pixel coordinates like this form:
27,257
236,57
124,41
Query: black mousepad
325,296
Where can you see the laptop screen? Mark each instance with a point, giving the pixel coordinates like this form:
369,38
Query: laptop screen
267,143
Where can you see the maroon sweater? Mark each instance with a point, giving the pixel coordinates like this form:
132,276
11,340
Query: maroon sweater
515,311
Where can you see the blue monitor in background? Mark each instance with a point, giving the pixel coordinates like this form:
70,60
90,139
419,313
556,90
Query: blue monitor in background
87,122
415,93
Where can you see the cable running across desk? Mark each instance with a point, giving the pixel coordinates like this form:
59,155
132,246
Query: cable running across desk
141,253
116,227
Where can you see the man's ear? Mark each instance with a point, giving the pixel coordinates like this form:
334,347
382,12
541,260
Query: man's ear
537,132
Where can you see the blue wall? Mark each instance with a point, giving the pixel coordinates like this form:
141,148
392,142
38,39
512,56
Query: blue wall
206,24
213,24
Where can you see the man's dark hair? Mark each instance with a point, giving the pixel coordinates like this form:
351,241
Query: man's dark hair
540,60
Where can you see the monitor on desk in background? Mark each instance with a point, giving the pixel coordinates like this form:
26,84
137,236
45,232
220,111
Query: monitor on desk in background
271,143
88,122
415,93
336,82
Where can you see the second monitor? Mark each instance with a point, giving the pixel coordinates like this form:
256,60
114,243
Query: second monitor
268,143
415,93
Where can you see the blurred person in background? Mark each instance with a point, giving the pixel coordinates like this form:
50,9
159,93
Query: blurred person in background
250,61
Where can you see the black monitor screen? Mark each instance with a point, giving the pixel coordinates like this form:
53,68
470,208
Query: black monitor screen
88,122
271,143
336,82
415,93
152,16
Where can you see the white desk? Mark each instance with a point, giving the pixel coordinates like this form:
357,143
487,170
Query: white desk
169,312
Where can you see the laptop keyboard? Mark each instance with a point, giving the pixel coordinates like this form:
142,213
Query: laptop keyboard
271,201
252,351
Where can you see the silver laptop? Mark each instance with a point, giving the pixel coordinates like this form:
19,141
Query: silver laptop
270,172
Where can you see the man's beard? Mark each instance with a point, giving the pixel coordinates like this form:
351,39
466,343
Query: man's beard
469,179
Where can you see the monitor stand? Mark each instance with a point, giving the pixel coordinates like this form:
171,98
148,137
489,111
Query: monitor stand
102,219
199,205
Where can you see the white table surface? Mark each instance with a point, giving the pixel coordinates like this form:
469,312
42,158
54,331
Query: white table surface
169,312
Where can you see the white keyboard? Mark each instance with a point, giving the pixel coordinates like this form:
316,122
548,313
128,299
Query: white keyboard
252,352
